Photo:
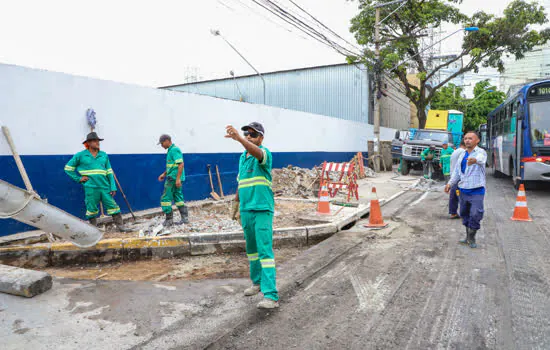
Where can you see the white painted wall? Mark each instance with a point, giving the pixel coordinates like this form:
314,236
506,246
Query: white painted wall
46,111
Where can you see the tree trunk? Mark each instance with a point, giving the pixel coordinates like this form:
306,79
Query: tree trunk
421,113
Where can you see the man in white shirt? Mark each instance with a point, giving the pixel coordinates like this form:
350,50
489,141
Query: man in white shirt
453,196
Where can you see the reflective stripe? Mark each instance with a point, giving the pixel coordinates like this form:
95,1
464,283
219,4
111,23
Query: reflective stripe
113,211
69,168
171,165
323,199
90,213
254,179
267,263
110,171
253,257
521,194
165,204
180,204
262,183
93,172
178,161
521,204
264,158
446,156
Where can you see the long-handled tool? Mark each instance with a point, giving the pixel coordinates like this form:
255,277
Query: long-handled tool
124,196
220,182
213,193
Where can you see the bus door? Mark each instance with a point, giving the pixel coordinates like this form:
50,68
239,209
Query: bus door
517,129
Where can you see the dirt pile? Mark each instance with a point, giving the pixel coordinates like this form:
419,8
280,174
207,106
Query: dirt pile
296,182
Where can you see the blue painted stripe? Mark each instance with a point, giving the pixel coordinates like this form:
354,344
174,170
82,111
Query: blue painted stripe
138,174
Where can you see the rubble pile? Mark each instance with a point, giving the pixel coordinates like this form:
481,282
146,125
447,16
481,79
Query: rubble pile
296,182
428,185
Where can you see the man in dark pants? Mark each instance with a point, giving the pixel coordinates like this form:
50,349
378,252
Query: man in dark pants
469,174
453,196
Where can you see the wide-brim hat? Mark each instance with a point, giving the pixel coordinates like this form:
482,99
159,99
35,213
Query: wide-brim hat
92,136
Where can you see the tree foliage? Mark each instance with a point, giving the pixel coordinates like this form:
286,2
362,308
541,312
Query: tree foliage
486,98
401,47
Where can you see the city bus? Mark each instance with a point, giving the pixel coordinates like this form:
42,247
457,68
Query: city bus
519,135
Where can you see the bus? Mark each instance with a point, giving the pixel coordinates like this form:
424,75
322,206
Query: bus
519,135
482,132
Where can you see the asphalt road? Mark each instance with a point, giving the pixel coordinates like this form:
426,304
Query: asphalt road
414,287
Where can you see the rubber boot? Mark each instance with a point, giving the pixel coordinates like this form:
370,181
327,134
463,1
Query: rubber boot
119,223
93,221
473,238
184,215
169,221
466,240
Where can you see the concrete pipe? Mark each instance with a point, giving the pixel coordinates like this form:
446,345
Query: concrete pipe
22,206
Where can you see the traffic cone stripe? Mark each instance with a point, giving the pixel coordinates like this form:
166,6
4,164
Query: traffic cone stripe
521,204
324,198
323,207
521,193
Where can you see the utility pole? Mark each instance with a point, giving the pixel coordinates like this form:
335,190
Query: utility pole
378,81
377,78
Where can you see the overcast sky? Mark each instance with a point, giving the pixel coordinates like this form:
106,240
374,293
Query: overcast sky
156,43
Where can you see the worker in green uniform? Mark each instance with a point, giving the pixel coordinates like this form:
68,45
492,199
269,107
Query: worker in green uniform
427,156
91,168
256,204
173,178
445,160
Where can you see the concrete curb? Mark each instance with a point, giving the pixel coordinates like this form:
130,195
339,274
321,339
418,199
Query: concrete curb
22,282
131,249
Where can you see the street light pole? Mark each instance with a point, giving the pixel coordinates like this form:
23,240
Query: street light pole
216,32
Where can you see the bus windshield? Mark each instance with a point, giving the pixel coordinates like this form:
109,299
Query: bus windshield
431,136
539,114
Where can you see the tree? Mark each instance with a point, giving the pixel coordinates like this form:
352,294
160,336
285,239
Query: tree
449,97
486,98
401,48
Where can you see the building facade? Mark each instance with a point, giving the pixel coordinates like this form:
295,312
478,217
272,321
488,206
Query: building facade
340,91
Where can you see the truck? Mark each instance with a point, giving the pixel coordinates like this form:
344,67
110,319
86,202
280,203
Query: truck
441,126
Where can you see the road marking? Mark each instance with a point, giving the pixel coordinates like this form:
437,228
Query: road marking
164,287
419,199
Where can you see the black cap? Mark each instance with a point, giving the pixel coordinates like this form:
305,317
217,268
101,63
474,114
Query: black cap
92,136
254,126
163,138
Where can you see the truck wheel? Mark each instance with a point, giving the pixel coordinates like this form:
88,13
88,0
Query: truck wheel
405,167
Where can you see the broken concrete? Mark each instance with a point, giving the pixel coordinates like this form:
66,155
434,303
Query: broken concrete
22,282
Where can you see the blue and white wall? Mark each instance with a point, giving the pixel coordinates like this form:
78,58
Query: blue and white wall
45,112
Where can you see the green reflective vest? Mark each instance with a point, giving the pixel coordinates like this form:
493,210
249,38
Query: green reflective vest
174,158
97,169
445,160
254,178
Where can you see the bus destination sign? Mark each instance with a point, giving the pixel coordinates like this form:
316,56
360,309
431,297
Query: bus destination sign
540,90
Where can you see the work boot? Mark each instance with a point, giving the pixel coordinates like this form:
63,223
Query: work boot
473,238
169,221
184,215
93,221
268,304
466,240
251,291
119,223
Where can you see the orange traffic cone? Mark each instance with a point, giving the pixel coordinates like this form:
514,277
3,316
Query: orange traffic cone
521,212
375,217
324,205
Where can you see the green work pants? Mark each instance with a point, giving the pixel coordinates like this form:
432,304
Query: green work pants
171,193
93,196
258,233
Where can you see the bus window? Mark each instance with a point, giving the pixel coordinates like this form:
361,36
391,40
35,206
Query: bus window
539,115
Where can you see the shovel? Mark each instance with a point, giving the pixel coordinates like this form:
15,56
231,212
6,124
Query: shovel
213,193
